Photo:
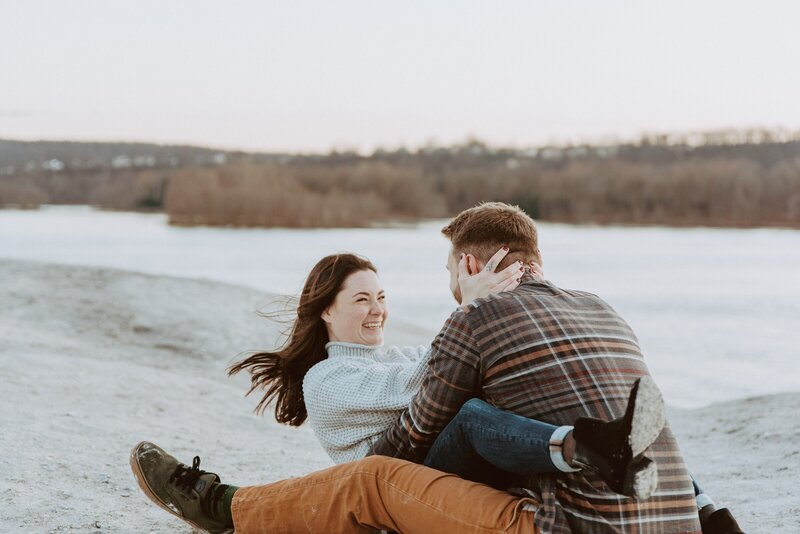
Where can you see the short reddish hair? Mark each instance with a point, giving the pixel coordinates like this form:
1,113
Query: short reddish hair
483,229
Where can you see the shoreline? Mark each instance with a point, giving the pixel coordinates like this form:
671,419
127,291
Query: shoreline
405,222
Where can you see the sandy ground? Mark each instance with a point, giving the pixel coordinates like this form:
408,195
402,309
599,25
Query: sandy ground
94,360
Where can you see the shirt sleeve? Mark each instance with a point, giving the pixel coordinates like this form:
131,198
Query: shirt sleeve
453,377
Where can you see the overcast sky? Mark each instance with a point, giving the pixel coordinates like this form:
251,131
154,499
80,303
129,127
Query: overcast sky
311,76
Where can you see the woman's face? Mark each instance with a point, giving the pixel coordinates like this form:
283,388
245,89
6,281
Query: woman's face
359,313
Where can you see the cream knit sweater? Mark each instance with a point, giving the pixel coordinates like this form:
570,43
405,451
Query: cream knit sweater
354,395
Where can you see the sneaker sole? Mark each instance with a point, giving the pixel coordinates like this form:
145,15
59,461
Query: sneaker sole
649,416
641,479
142,481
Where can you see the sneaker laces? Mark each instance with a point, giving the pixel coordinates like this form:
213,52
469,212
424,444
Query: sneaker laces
186,477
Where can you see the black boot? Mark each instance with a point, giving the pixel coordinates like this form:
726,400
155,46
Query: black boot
615,448
721,522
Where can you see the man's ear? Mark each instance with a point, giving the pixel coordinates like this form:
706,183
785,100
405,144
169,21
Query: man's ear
472,265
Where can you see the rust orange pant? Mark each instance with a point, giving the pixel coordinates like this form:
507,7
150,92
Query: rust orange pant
380,493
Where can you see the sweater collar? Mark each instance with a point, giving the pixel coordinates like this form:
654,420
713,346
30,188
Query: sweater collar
341,348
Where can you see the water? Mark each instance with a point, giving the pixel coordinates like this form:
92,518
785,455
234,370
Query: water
717,311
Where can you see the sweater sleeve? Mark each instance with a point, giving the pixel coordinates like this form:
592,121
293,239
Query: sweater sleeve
452,377
351,403
419,354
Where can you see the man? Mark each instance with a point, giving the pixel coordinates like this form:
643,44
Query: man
538,351
549,354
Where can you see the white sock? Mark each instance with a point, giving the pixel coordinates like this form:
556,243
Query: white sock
557,449
703,500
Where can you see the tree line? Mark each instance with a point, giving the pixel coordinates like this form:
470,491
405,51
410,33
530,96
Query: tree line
753,181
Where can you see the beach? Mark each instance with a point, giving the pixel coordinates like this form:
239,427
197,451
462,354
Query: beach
94,360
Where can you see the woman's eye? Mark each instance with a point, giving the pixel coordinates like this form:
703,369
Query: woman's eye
362,299
382,297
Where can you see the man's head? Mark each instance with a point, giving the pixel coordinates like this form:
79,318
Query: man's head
482,230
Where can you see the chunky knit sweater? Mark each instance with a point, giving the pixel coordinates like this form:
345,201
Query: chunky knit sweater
354,395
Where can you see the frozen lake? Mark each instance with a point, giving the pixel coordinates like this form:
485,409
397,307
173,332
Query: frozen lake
717,311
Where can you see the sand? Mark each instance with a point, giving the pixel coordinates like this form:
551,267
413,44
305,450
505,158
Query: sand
93,361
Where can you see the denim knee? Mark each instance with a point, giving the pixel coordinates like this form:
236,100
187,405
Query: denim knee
474,410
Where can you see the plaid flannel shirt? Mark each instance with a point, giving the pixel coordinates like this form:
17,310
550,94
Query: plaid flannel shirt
554,355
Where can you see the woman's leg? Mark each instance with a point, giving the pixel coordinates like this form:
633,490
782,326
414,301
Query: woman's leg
489,445
705,505
484,436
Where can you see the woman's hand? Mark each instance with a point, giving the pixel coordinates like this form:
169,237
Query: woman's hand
487,281
536,271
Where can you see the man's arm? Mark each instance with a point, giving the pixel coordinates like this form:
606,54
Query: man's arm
452,378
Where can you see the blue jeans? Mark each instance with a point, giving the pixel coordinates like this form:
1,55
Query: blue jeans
485,444
488,445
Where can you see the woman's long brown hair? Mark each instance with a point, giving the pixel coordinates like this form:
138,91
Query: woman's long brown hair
281,373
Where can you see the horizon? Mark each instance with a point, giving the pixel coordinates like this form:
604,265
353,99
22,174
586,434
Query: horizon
314,77
781,135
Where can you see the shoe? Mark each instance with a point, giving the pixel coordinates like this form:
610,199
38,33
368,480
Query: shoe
721,522
615,448
177,488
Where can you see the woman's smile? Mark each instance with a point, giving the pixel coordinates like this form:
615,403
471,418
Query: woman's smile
358,313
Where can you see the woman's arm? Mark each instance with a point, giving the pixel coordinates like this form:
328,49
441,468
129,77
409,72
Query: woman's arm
351,403
475,283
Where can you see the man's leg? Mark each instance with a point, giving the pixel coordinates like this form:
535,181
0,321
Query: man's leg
370,494
380,493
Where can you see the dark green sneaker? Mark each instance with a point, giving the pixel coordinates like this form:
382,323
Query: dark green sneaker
179,489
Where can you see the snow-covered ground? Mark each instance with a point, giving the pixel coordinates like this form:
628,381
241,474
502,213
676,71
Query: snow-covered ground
94,360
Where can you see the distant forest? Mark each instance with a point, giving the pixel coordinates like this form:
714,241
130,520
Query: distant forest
743,178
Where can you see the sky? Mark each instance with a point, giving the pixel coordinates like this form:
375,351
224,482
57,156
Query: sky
305,76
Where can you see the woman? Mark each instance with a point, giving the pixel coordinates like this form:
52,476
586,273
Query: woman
335,372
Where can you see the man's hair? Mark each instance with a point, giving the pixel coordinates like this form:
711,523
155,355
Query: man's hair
483,229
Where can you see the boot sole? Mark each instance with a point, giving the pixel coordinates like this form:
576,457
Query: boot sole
145,486
649,416
641,479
